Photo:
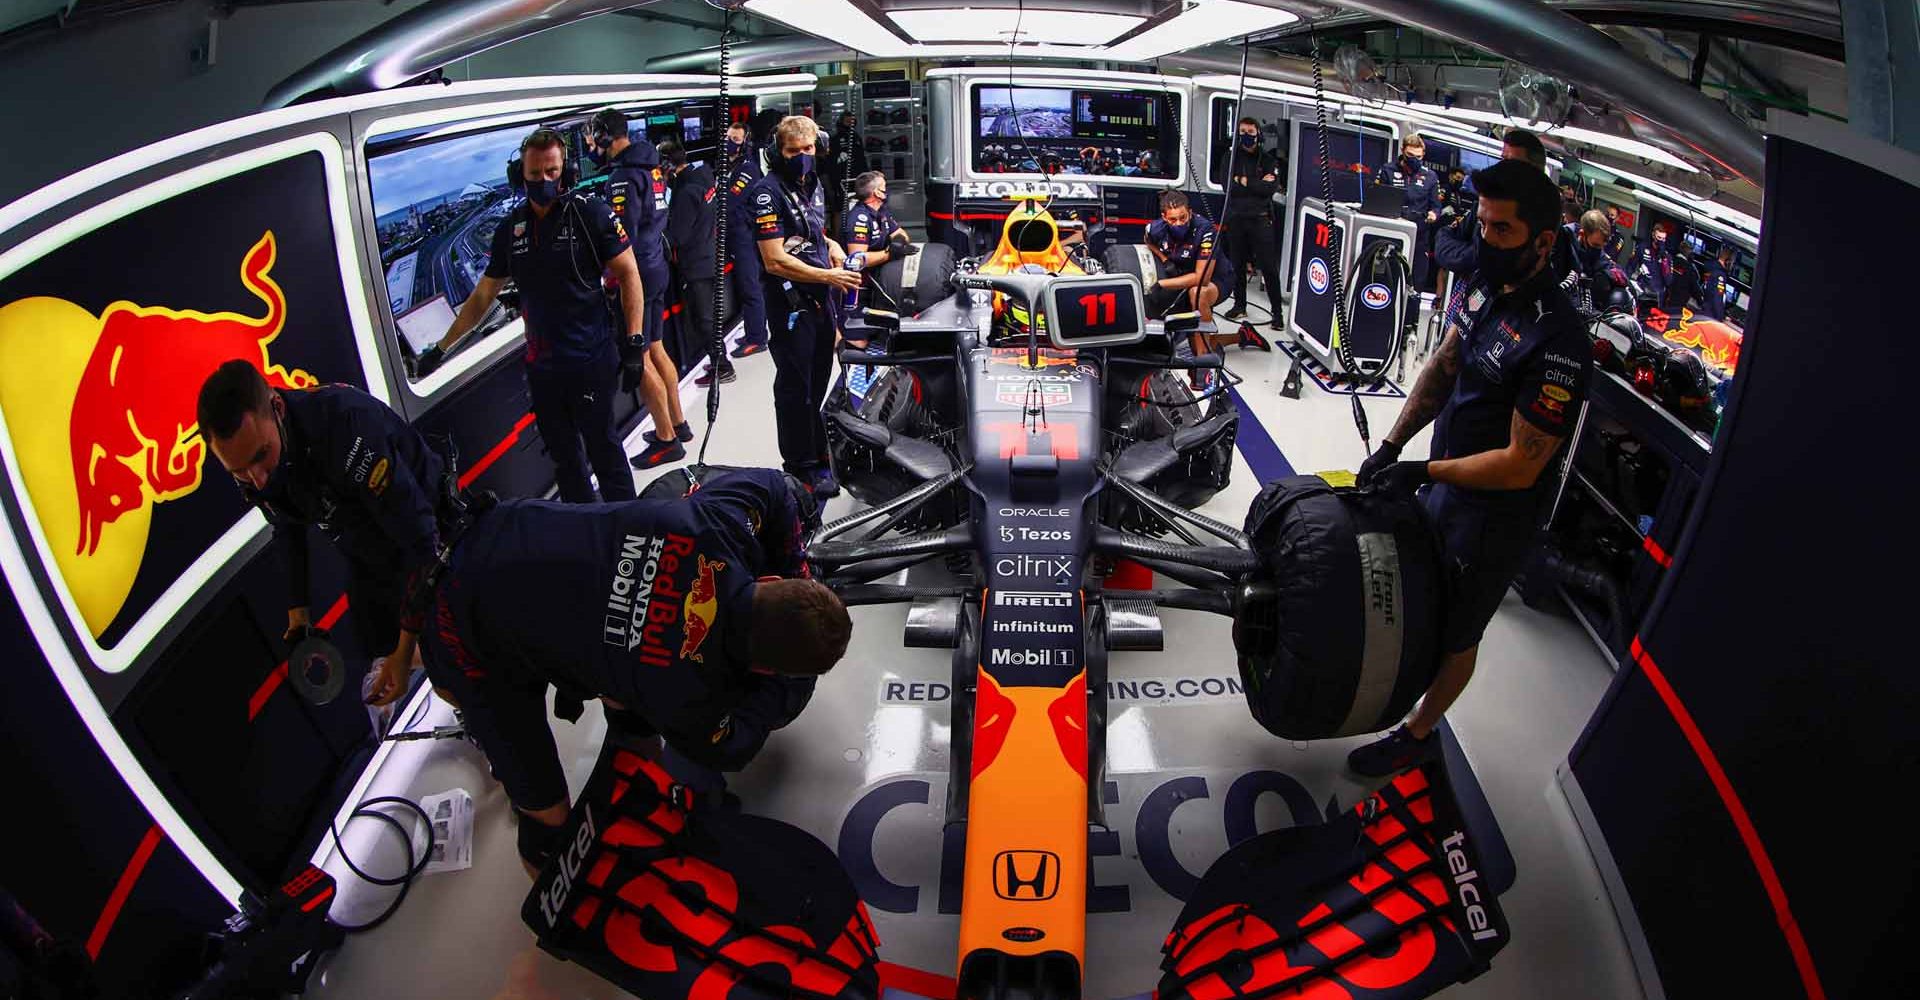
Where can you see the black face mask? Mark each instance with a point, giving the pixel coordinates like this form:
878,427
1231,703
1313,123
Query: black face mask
1503,266
277,479
795,169
1249,141
543,192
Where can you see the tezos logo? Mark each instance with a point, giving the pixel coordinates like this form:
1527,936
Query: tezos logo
1375,296
1317,278
1012,534
1032,565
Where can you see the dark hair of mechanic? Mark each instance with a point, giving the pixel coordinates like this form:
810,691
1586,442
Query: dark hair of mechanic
1247,224
234,390
1530,149
1170,200
800,627
672,153
868,184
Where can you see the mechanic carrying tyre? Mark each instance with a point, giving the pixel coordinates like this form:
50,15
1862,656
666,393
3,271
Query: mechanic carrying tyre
690,618
1506,384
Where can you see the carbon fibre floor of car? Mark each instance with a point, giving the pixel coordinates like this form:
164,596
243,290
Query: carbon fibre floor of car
865,769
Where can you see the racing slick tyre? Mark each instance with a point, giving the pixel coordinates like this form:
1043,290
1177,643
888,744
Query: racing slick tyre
1134,259
908,285
1351,636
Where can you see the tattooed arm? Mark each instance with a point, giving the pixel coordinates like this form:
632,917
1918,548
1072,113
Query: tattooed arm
1430,390
1515,467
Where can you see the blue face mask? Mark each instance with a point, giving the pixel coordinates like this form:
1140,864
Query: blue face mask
543,192
733,148
1249,141
1180,233
796,168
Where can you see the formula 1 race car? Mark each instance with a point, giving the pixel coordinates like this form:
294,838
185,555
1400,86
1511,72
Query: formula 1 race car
1027,450
1031,442
908,427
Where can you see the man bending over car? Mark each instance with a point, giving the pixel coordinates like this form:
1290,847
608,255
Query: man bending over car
690,618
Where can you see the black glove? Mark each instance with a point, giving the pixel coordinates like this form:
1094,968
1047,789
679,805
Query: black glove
1383,456
427,361
1401,479
301,633
538,842
902,248
633,363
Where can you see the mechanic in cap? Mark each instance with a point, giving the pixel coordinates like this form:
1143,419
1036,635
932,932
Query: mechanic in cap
741,167
691,618
1249,228
556,246
803,281
1505,385
1197,275
335,457
637,189
1420,200
1580,258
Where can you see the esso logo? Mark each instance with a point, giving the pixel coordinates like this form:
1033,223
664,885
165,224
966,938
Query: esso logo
1376,296
1317,276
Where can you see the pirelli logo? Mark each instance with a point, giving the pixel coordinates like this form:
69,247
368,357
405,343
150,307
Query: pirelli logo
1026,876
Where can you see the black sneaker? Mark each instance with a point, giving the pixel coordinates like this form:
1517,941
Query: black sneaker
727,375
1395,752
683,431
1237,312
746,349
659,453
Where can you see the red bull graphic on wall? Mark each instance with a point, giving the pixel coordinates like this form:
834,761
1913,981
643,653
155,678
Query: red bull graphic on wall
104,343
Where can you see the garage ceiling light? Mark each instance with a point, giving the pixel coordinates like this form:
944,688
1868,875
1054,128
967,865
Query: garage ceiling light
848,25
967,24
1603,140
1204,23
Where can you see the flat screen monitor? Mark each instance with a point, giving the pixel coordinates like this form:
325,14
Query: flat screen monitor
436,205
1352,158
690,130
1074,131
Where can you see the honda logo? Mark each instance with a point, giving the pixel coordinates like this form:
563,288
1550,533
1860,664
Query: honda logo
1026,875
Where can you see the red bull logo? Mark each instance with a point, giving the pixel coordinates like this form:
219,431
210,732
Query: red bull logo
1718,343
133,433
702,606
101,414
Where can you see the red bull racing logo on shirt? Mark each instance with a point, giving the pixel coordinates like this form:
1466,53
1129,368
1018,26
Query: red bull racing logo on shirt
703,605
643,600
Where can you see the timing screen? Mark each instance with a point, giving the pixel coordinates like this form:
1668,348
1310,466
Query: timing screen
1058,130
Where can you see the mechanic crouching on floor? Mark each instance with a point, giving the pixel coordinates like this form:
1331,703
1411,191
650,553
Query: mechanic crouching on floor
1506,385
1196,275
803,279
690,618
335,457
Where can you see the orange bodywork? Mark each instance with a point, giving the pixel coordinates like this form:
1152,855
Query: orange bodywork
1029,210
1026,860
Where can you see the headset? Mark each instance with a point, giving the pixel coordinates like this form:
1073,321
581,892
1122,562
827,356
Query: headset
569,167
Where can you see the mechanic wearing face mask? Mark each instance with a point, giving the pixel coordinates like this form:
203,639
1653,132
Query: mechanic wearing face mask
742,168
1455,246
846,161
1587,274
556,245
1420,188
335,457
1713,284
1616,240
803,281
691,235
1249,225
1506,385
1653,264
638,191
691,618
872,231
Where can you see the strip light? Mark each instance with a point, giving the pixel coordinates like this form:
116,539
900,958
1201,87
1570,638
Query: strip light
1202,24
966,24
1604,140
850,25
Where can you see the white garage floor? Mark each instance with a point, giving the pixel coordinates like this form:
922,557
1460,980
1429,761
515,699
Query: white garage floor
876,737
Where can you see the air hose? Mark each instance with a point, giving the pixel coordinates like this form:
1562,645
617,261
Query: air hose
1382,255
1343,315
717,338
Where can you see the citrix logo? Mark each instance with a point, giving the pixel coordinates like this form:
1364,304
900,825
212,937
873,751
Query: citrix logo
1026,564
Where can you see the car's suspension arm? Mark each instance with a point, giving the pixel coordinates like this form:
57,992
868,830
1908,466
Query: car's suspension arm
1231,561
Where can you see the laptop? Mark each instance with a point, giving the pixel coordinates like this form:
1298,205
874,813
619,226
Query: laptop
1380,199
